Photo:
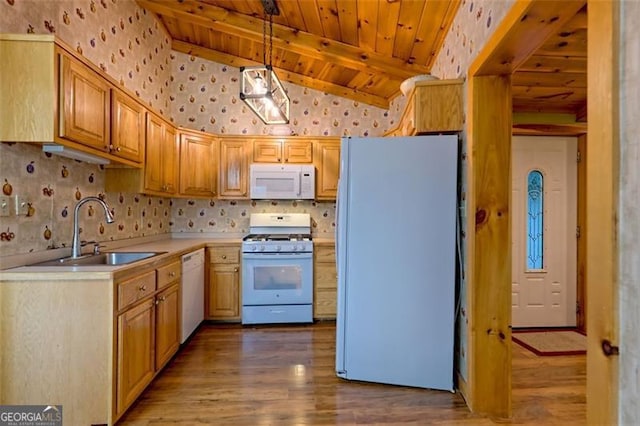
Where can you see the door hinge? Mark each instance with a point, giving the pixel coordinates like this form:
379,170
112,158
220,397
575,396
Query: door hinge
578,157
578,232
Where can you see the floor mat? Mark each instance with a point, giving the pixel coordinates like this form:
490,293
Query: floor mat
551,342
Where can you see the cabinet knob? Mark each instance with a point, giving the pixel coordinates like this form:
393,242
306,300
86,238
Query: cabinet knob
224,256
142,288
235,269
118,149
172,274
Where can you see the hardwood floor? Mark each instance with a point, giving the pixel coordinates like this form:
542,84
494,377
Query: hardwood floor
230,375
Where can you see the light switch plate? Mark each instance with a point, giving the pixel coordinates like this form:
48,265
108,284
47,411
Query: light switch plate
5,206
22,205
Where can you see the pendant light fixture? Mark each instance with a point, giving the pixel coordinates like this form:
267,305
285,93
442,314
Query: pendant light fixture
260,88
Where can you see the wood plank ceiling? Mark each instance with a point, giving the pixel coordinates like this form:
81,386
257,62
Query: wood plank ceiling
363,49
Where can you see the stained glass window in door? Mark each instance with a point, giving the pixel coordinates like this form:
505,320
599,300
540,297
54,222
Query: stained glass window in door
535,220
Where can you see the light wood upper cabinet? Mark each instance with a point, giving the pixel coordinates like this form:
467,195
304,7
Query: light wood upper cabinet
127,126
433,106
84,104
52,94
282,151
161,164
327,162
234,168
198,164
223,288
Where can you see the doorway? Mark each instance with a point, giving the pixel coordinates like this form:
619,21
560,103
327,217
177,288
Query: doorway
543,202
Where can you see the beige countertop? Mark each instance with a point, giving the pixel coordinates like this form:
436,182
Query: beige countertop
173,244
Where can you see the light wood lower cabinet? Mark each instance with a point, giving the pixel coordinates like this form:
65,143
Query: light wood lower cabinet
148,329
167,325
325,279
223,289
136,365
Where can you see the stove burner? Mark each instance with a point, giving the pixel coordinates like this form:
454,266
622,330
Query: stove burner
277,237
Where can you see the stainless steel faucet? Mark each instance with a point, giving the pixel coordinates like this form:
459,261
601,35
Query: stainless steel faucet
76,249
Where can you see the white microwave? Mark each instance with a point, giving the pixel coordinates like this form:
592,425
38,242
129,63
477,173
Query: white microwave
282,182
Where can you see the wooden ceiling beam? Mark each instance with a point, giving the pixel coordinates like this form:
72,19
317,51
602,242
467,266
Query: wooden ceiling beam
303,43
534,23
299,79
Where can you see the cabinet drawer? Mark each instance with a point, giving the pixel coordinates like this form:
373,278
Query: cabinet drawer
169,273
225,255
136,288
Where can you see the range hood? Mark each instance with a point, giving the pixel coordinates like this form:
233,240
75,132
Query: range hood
64,151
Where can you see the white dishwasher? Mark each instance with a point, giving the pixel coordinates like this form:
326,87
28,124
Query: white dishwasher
192,292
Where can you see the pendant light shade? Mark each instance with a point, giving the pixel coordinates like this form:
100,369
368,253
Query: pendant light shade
260,88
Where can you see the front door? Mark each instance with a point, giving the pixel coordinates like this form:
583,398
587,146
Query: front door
544,231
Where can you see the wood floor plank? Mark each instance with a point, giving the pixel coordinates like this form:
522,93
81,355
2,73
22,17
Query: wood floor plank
233,375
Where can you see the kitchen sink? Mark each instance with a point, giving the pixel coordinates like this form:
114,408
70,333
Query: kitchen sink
107,258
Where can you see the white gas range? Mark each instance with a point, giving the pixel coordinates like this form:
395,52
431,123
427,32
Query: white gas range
277,269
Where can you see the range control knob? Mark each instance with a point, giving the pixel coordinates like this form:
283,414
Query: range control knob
254,248
261,248
295,247
278,248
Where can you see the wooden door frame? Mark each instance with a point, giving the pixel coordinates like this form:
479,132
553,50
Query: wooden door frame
526,26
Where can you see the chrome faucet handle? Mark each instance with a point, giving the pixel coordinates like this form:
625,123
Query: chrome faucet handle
96,248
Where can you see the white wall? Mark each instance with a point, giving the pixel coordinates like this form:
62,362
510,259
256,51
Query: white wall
629,225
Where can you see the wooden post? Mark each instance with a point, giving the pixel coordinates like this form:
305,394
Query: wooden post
490,245
602,204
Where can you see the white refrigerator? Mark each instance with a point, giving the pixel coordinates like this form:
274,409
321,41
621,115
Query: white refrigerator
396,244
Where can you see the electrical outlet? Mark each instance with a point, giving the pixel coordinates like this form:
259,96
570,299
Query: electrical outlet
5,206
22,206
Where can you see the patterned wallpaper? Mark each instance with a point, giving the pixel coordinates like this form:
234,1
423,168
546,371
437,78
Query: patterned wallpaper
206,97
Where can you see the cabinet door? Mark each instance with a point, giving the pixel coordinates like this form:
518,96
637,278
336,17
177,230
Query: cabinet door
161,163
84,105
325,280
136,367
327,161
267,151
170,155
167,325
298,151
224,291
198,165
153,175
127,127
234,168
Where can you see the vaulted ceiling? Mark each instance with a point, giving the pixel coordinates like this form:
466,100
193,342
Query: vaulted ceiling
364,49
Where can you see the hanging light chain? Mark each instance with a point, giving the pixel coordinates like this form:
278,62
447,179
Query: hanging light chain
264,38
271,39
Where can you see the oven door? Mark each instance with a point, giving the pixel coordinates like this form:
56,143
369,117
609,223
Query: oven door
277,278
